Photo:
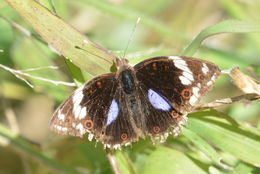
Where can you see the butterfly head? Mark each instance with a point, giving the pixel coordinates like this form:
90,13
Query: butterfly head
122,64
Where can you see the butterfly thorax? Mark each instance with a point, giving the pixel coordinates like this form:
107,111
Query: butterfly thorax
126,76
127,80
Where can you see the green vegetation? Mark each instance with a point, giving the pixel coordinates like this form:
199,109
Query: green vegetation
32,39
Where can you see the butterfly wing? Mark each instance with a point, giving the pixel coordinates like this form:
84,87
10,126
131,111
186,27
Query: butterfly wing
182,80
121,128
166,89
97,108
86,109
170,87
161,118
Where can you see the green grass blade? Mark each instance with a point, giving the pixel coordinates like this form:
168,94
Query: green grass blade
20,145
229,26
169,161
124,163
234,9
64,38
203,146
75,72
242,168
132,15
227,135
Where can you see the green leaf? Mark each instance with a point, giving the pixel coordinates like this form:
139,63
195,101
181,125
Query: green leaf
36,54
202,145
132,15
22,146
242,168
235,9
169,161
92,58
227,135
76,73
229,26
124,163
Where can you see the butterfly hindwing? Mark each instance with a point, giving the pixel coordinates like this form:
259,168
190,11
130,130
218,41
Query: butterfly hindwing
160,116
120,126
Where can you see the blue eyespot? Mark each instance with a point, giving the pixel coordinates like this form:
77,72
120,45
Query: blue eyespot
112,113
157,101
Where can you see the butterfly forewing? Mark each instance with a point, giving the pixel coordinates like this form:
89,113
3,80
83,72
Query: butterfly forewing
181,80
86,109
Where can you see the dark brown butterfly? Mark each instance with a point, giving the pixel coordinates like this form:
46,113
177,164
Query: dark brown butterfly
152,98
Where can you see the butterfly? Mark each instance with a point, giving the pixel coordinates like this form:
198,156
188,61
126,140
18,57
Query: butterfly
151,98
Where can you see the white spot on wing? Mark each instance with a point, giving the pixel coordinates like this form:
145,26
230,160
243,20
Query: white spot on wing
193,99
174,57
195,91
81,129
117,146
213,78
181,64
185,80
157,101
64,129
195,96
60,128
90,137
83,113
76,99
77,111
205,68
209,83
112,113
188,76
78,94
61,116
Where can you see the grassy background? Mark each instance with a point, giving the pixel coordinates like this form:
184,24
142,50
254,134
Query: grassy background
223,141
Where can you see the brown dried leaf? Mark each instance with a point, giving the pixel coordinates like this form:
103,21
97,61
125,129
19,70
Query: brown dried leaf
244,82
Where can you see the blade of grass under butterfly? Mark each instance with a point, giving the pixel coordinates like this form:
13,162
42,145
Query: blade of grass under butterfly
242,168
169,161
202,145
228,26
64,38
124,163
227,135
22,146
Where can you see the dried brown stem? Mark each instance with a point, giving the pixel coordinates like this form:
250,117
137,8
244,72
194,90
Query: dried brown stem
21,74
112,159
226,101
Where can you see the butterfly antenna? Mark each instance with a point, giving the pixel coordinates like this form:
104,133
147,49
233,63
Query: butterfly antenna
131,36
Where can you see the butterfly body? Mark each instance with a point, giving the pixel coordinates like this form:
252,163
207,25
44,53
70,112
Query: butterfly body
152,98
